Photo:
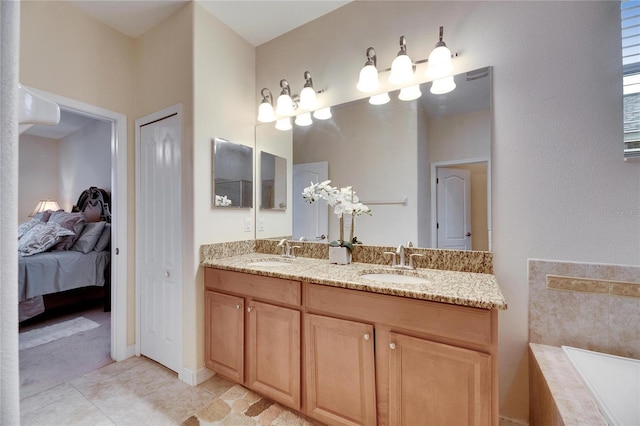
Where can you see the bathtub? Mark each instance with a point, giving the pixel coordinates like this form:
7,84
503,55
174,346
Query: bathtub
613,381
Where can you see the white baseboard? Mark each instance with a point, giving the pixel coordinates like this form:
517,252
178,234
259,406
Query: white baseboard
194,378
131,351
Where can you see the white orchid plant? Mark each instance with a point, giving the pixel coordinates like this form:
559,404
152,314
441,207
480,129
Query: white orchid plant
222,201
344,202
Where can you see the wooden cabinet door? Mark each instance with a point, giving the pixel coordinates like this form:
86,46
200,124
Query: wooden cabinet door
436,384
224,335
340,371
274,352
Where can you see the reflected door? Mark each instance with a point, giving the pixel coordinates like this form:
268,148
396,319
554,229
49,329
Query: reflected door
454,208
310,220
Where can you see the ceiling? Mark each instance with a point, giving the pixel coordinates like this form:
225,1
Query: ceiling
256,21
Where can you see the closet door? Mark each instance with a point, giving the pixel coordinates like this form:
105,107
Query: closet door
159,240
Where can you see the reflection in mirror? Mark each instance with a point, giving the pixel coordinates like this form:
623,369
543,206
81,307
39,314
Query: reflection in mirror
393,155
232,174
273,178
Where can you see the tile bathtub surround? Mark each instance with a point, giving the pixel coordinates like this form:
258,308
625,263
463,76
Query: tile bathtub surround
448,260
586,305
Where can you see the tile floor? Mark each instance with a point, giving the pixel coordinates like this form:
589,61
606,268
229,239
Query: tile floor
138,391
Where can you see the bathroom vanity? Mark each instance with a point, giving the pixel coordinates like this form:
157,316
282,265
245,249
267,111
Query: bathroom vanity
343,349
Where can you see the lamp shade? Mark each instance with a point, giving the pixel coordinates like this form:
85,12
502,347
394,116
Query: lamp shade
323,114
308,99
439,64
443,85
410,93
303,119
401,69
380,99
283,124
285,105
44,205
265,113
368,81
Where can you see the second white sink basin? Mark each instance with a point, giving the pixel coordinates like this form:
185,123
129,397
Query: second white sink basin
394,278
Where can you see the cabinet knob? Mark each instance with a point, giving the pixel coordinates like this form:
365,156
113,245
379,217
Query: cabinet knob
238,306
367,336
249,309
392,345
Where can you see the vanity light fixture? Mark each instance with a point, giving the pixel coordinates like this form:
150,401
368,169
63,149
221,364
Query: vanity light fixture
303,119
323,113
283,123
379,99
443,85
402,66
308,97
368,81
284,105
265,110
410,93
439,63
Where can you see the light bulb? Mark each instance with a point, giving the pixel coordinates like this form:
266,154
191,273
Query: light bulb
283,124
265,113
303,119
410,93
401,70
308,99
322,114
284,105
368,81
443,85
380,99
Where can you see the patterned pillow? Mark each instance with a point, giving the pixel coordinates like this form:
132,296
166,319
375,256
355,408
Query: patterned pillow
41,237
24,227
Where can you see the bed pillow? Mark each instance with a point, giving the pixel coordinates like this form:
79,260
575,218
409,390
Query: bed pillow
72,221
105,238
24,227
89,237
45,215
41,237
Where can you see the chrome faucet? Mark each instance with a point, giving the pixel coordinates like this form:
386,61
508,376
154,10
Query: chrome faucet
398,258
287,249
400,253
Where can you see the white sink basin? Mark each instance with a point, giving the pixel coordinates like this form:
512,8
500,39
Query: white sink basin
270,262
394,278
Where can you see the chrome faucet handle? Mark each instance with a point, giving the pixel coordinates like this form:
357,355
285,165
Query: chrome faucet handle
292,251
409,243
411,256
393,258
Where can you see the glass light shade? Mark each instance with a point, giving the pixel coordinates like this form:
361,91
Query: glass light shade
368,81
322,114
44,205
410,93
303,119
265,113
439,64
285,105
308,99
380,99
401,70
283,124
443,85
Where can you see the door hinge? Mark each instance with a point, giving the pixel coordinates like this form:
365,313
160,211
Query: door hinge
437,226
437,181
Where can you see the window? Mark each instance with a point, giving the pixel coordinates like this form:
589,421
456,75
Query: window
630,13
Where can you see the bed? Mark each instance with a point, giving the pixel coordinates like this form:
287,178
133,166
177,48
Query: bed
62,259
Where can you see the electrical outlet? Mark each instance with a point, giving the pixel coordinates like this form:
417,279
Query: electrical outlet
247,224
260,224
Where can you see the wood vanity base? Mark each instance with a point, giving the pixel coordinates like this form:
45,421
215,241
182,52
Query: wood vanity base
349,357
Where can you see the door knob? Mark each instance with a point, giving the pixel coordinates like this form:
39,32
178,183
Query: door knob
392,345
167,274
321,237
468,234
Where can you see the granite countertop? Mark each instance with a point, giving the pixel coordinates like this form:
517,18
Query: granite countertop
458,288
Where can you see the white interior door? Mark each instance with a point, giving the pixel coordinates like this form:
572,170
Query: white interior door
310,220
159,243
454,208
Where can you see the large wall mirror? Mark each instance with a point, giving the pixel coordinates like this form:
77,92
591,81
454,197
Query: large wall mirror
273,181
410,162
232,175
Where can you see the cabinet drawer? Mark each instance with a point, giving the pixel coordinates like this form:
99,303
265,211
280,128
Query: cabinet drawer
466,324
256,286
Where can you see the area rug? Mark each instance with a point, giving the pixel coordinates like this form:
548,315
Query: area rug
40,336
240,406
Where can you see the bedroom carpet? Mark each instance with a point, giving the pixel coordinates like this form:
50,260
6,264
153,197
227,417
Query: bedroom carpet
50,364
40,336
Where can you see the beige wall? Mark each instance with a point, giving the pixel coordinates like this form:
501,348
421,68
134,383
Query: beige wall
460,137
557,152
39,162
